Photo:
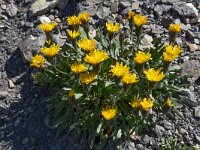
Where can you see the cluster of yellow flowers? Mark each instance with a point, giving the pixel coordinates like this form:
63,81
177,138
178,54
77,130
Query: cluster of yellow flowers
171,52
78,20
94,56
86,44
47,27
137,19
121,70
112,27
146,103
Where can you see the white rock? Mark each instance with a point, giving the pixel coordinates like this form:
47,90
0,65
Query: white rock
44,19
11,84
193,47
146,42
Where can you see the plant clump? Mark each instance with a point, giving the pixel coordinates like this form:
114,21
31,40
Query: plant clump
105,86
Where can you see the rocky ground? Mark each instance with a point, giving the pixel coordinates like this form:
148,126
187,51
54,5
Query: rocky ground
23,117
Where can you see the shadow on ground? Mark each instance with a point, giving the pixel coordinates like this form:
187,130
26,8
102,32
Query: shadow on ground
23,121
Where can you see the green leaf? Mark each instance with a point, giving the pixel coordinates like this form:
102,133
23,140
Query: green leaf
99,128
78,95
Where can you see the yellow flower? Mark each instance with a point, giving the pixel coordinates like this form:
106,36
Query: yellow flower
47,27
129,78
87,77
175,28
51,51
171,52
86,44
38,61
119,69
130,15
142,57
73,21
71,93
154,75
109,113
135,103
78,68
73,34
169,103
146,104
112,27
139,20
95,57
84,17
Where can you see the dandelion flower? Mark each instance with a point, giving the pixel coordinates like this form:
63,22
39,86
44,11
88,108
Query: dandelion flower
171,52
142,57
146,104
87,78
73,21
71,93
154,75
112,27
51,51
109,113
129,78
135,103
73,34
38,61
139,20
84,17
119,69
169,103
86,44
95,57
48,27
174,28
78,68
130,15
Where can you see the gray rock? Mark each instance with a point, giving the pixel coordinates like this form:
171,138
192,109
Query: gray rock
197,138
195,20
185,9
159,131
103,12
11,84
170,1
197,111
18,121
190,35
12,10
145,139
179,41
189,97
135,5
62,4
193,47
92,9
32,44
139,146
44,19
26,140
196,41
114,7
3,6
160,9
59,39
92,2
124,4
40,7
166,21
167,125
146,42
3,95
191,68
